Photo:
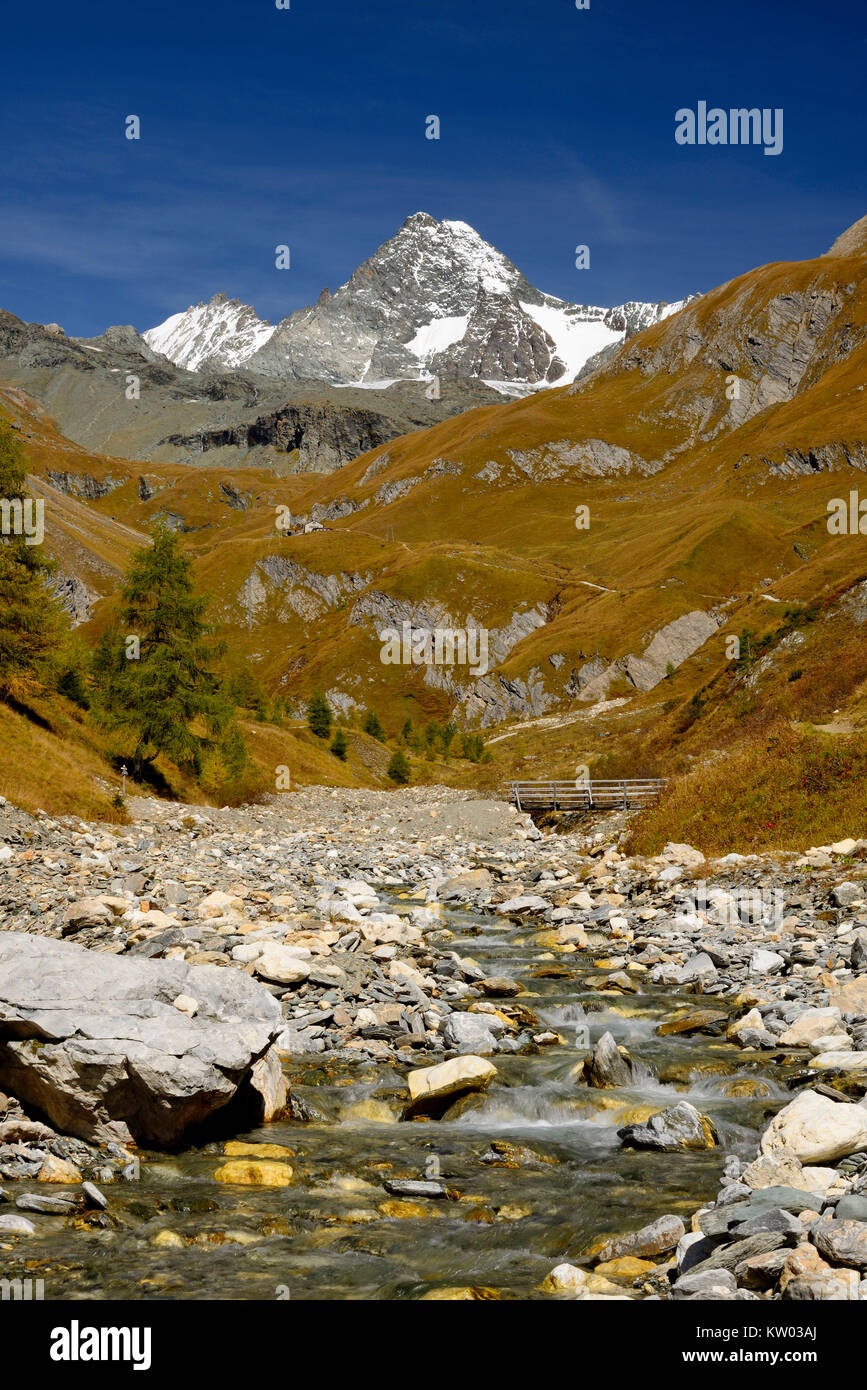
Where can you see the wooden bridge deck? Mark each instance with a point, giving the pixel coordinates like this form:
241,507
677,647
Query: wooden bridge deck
582,796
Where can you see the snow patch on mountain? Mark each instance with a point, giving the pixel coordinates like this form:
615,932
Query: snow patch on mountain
577,333
438,335
221,334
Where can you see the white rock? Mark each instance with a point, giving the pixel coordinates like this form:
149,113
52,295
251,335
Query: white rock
844,847
282,964
832,1042
219,904
816,1130
684,855
839,1061
566,1278
338,910
12,1225
766,962
812,1024
186,1005
461,1074
250,950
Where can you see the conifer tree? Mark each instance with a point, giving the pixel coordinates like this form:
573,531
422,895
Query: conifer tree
319,715
339,745
372,725
398,768
159,691
30,619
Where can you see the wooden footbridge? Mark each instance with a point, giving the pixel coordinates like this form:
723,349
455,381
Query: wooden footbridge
586,796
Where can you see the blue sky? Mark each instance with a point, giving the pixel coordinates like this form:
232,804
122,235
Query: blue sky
307,126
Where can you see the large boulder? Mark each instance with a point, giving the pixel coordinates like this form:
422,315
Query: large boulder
431,1089
608,1067
95,1042
679,1128
814,1129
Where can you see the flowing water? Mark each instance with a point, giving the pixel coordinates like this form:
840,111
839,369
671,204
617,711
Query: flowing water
503,1228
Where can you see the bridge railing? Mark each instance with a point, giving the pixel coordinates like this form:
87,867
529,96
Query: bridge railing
552,795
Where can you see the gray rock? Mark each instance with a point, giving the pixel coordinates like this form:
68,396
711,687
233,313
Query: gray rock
93,1041
852,1208
843,1242
731,1255
466,1033
608,1067
846,893
16,1226
528,905
660,1236
713,1284
680,1127
407,1187
49,1205
699,967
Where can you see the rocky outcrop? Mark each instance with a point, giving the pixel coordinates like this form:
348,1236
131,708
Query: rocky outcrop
107,1048
593,458
823,458
74,597
303,592
323,436
669,648
83,485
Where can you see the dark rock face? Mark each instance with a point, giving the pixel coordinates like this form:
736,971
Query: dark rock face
324,436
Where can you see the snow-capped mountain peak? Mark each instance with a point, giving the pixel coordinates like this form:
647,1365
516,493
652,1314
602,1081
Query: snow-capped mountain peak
219,335
435,299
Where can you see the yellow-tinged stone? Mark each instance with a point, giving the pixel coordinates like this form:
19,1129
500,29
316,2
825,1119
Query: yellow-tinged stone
169,1239
749,1087
625,1269
509,1212
236,1149
482,1214
247,1173
600,1101
609,963
468,1073
459,1295
58,1170
405,1210
749,999
597,1283
638,1114
374,1111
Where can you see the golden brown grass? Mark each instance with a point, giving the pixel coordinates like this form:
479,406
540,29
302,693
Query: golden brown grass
789,790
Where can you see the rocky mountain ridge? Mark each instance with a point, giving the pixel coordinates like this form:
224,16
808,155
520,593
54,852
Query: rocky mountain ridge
434,300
